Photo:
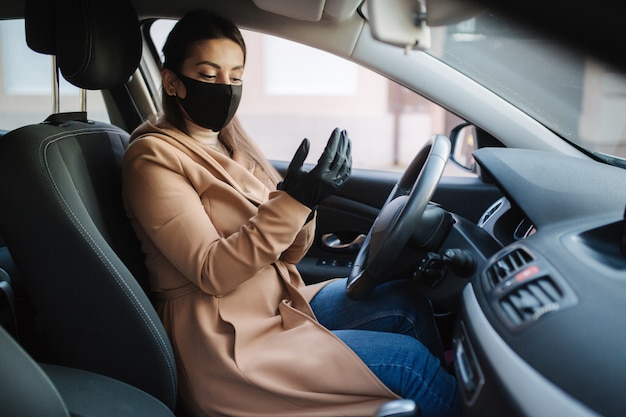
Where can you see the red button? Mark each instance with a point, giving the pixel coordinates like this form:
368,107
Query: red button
526,273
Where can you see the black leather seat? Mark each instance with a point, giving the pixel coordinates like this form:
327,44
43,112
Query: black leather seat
30,389
61,212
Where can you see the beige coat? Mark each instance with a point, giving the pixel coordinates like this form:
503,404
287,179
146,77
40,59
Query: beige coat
221,248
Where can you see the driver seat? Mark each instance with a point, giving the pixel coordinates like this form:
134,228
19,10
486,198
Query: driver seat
61,211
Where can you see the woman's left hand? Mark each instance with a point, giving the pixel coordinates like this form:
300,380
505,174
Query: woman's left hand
332,170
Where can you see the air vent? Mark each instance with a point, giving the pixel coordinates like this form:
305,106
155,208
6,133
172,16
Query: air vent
507,265
490,212
501,203
533,299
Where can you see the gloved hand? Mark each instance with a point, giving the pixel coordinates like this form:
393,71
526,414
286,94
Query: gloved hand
332,170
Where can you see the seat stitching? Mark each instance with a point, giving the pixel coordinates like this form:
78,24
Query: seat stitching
83,231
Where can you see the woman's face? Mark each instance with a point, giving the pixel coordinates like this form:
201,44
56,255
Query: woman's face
218,61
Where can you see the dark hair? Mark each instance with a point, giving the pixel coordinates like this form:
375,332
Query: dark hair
196,26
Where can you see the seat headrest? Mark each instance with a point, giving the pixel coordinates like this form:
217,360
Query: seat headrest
39,26
97,43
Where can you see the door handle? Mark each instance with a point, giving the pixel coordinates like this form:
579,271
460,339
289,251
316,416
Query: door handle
348,242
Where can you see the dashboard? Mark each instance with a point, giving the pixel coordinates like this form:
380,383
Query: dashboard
541,331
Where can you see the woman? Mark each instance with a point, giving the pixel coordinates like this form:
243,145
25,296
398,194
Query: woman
221,244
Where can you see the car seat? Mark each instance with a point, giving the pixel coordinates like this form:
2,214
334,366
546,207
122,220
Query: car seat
61,211
29,389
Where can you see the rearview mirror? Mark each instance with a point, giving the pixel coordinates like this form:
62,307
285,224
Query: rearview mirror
464,142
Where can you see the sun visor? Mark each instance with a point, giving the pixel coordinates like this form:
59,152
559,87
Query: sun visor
310,10
407,23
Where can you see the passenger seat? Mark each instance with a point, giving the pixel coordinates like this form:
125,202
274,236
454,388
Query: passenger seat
63,220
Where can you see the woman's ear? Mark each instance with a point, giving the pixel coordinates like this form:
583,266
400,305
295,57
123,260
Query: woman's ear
170,82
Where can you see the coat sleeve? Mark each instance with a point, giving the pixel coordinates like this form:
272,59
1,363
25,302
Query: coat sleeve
163,203
301,244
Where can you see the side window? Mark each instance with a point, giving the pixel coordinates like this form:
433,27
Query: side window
26,83
292,91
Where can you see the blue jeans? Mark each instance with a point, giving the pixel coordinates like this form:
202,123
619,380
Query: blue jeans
394,334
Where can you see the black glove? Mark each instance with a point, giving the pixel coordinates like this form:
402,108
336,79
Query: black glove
332,170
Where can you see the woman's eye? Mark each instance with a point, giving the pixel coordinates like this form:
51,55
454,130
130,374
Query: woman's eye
236,81
208,77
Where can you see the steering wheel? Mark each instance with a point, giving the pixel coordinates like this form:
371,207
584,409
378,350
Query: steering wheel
398,218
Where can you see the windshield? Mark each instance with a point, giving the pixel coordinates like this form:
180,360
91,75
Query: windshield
577,97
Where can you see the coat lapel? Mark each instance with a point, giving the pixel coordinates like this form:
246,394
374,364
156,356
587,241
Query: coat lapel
231,171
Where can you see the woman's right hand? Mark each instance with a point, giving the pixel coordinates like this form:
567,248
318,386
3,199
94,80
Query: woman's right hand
331,172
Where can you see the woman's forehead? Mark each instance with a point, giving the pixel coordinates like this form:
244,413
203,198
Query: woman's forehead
222,51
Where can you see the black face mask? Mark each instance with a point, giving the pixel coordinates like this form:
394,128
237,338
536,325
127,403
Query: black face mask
210,105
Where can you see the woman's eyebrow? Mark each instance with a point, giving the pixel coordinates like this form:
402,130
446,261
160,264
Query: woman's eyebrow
217,66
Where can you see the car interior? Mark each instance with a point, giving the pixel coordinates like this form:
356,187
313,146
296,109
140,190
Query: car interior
524,262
